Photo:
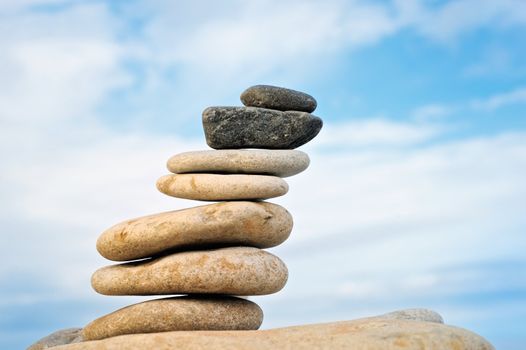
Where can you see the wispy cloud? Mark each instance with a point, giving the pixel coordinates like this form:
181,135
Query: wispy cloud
491,103
377,132
85,43
432,111
55,70
495,61
517,96
455,18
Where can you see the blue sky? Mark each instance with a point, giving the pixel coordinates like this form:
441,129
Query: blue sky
415,196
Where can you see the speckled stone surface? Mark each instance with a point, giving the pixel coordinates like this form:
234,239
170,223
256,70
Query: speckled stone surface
187,313
274,97
423,315
252,127
234,271
364,334
280,163
215,187
257,224
61,337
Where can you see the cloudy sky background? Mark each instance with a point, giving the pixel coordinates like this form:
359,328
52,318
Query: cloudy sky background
416,193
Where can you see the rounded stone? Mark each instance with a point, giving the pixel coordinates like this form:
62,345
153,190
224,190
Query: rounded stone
280,163
274,97
423,315
233,271
215,187
363,334
258,224
61,337
252,127
187,313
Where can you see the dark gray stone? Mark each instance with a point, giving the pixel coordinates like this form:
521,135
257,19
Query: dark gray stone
62,337
273,97
251,127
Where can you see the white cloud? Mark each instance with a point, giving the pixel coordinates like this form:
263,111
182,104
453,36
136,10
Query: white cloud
244,43
195,52
259,37
255,38
64,79
183,49
55,70
377,132
500,100
495,61
380,186
267,33
431,112
14,6
437,111
455,18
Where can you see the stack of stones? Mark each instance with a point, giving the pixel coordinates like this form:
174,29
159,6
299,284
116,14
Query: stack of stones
211,254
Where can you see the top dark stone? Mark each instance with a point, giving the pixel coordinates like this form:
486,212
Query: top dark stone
273,97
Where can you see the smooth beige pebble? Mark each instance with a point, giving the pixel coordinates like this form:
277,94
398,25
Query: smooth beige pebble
282,163
258,224
186,313
214,187
233,271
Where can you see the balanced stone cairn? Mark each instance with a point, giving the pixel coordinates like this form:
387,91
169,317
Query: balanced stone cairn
212,253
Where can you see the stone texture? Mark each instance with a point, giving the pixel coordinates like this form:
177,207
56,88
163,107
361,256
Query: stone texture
214,187
251,127
62,337
234,271
280,163
423,315
364,334
258,224
188,313
273,97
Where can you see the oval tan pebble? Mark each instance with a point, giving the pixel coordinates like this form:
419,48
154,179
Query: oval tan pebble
258,224
280,163
214,187
234,271
187,313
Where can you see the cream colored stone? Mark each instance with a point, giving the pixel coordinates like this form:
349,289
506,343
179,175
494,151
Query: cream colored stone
188,313
214,187
234,271
364,334
258,224
280,163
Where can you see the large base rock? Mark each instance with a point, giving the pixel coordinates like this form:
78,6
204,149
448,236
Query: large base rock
365,334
